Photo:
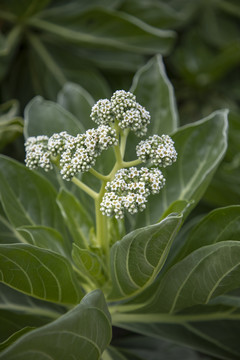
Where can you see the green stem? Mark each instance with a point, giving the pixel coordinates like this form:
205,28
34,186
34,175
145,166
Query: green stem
85,188
101,224
98,175
131,163
124,136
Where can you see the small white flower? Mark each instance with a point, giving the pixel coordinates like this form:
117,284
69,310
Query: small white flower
37,154
158,149
102,112
129,189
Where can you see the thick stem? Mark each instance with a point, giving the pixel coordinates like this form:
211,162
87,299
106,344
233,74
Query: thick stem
101,224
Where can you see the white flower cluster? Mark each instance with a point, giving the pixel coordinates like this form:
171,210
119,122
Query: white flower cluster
129,190
37,153
122,107
76,154
158,149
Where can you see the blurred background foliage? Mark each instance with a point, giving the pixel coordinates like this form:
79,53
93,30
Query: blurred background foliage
100,44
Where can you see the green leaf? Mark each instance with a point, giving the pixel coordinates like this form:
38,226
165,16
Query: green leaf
18,311
8,46
11,126
25,8
89,264
8,234
137,259
53,64
200,146
44,117
153,349
77,101
203,275
44,237
219,225
224,189
167,15
154,91
107,28
219,339
27,197
77,218
84,332
14,337
40,273
178,206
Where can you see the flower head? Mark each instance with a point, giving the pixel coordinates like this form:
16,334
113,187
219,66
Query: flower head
129,190
37,154
158,149
75,153
123,108
102,112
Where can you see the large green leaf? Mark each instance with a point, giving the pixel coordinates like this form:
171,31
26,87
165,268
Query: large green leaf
201,147
219,339
78,101
44,117
82,333
137,259
18,311
40,273
203,275
8,234
77,218
219,225
27,197
152,349
106,28
154,91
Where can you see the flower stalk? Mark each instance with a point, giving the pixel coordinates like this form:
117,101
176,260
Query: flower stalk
126,187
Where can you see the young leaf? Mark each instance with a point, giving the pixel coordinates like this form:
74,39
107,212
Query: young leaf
154,91
201,147
84,332
22,203
137,259
40,273
44,117
77,218
89,264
